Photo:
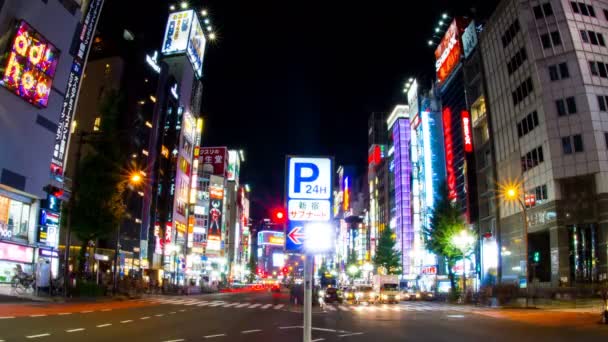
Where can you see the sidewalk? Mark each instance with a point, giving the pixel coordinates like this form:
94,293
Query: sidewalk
593,306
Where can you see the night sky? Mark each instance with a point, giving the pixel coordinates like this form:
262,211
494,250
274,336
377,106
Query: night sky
300,77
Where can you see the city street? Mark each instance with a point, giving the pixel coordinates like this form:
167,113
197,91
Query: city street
256,316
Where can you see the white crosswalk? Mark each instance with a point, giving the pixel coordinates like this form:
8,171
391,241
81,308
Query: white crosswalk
401,307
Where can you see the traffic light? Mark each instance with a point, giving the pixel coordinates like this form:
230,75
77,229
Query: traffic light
279,215
53,190
536,257
285,270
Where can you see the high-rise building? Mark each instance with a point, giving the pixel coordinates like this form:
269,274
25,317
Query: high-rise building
398,124
428,175
40,62
377,177
546,76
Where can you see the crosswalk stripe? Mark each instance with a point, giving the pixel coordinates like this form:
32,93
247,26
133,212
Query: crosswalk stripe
266,306
254,305
278,306
343,308
230,305
330,308
217,304
243,305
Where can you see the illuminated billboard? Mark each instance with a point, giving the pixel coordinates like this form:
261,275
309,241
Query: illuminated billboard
271,238
449,153
177,32
233,165
466,131
447,54
214,160
30,66
196,46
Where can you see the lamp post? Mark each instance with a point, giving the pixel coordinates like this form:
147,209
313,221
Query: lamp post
135,178
352,270
463,241
512,193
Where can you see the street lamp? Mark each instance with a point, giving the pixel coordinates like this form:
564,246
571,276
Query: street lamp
463,242
512,192
352,270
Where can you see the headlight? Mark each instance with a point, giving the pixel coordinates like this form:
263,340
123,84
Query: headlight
371,295
430,295
384,297
359,294
321,293
397,297
417,295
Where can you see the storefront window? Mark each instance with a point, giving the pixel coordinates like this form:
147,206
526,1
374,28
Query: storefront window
18,218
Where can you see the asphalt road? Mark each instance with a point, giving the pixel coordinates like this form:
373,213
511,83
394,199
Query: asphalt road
260,317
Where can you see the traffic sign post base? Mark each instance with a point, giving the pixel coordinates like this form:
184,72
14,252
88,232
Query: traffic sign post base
308,270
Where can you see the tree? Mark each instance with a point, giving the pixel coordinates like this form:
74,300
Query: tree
98,206
387,257
446,221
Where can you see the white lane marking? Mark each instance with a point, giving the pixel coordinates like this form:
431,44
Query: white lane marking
37,336
191,303
254,305
178,340
104,325
203,303
127,321
278,306
351,334
86,311
343,308
64,313
145,317
250,331
74,330
7,317
456,316
37,315
243,305
172,313
317,340
159,315
293,327
182,310
266,306
213,336
229,305
324,329
217,303
106,310
330,308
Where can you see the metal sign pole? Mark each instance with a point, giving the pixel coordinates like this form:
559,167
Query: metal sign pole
308,268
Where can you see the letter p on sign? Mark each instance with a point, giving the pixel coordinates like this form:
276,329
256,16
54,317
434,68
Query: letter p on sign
309,178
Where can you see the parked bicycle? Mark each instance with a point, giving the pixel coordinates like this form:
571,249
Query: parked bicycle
21,281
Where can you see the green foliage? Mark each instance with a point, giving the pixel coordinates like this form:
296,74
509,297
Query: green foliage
446,222
387,258
98,206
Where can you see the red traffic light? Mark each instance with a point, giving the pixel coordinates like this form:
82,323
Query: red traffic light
279,215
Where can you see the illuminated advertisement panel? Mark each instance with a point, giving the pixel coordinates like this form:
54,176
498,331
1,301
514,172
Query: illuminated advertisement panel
271,238
449,153
196,46
466,131
30,67
447,54
177,32
308,210
216,157
215,218
233,165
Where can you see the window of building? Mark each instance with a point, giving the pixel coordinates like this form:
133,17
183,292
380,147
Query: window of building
577,140
556,39
558,71
545,40
584,36
543,11
521,92
527,124
605,14
563,70
582,8
602,100
540,193
566,145
511,32
553,75
606,139
592,37
598,69
517,60
571,104
97,124
561,107
532,159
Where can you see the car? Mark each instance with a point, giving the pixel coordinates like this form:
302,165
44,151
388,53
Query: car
365,294
275,288
331,295
427,295
349,294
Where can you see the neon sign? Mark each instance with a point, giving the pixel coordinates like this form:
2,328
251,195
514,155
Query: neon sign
448,52
31,65
466,131
449,153
153,62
